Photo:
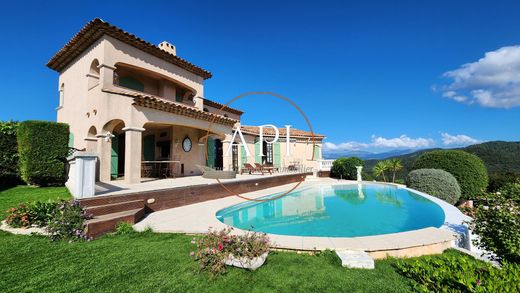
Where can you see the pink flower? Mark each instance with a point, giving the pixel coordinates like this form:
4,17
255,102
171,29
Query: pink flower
220,247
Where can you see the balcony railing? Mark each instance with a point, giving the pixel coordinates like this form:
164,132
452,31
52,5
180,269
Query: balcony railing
325,165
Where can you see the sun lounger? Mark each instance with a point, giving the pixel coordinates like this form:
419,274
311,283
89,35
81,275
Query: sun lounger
210,173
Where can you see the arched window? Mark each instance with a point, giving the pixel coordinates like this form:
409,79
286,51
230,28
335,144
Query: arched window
94,67
93,74
62,95
226,115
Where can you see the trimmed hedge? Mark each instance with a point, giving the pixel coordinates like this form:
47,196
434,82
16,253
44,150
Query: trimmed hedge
8,153
468,169
346,168
438,183
43,147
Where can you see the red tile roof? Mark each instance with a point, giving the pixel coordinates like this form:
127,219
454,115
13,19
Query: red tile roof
270,132
219,106
96,28
154,102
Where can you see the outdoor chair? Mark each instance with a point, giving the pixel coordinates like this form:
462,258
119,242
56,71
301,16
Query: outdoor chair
265,168
210,173
250,169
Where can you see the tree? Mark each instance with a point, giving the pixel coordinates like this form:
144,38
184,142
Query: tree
394,165
346,168
468,169
380,168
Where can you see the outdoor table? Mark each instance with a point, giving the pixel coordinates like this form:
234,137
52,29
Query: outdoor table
158,163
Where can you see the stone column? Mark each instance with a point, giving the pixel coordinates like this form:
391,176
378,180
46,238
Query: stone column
106,75
92,144
133,152
104,148
227,161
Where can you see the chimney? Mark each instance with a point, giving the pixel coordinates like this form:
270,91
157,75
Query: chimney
168,48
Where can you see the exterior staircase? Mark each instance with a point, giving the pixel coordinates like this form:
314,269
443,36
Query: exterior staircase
107,216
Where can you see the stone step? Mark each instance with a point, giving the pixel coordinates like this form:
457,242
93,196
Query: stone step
99,210
107,223
355,259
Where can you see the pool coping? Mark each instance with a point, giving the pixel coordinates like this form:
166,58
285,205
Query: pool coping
197,218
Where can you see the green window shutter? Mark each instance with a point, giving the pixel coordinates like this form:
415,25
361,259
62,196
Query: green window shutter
258,158
131,83
71,140
149,147
178,96
243,155
211,153
317,152
276,154
114,160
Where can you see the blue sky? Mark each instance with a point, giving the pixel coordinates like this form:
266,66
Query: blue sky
370,75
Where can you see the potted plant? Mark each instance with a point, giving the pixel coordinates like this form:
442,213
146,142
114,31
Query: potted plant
219,248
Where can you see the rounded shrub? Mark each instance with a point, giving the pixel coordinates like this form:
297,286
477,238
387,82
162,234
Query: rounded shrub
438,183
346,168
468,169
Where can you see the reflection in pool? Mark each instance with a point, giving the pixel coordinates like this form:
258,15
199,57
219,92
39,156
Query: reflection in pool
337,211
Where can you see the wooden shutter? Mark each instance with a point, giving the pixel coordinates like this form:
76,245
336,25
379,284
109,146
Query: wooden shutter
276,154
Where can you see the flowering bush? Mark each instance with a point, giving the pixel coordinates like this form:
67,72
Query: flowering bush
216,246
497,222
68,222
18,217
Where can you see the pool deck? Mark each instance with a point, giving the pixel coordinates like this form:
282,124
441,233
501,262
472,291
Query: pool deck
197,218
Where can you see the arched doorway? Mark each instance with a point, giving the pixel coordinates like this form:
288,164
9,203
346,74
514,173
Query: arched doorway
115,131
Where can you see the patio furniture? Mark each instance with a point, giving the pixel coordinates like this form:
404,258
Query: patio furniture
265,168
210,173
159,169
250,169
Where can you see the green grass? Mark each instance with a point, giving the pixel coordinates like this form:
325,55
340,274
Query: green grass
13,196
161,262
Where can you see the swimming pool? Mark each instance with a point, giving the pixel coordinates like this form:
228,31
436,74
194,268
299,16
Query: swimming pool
345,210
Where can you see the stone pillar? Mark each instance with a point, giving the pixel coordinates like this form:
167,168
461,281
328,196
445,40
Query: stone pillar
227,161
92,144
104,148
106,75
133,152
199,103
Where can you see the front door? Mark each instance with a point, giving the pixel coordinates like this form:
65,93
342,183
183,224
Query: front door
219,160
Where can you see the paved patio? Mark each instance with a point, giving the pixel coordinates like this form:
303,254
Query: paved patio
118,187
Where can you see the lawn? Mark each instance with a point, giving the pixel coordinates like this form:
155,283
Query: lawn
161,262
11,197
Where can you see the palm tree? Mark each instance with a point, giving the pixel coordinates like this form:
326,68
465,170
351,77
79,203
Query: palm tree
380,168
394,165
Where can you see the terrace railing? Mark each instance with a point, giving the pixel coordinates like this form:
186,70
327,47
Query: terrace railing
325,165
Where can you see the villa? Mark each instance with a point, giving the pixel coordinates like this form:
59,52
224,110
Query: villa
142,110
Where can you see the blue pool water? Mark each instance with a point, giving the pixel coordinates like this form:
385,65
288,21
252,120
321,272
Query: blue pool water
337,211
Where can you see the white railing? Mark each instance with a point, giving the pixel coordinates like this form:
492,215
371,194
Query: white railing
325,165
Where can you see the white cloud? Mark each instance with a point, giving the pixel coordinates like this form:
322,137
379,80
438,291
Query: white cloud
492,81
345,146
459,139
402,141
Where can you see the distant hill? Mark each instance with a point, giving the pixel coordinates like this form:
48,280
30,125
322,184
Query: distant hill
365,155
498,156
